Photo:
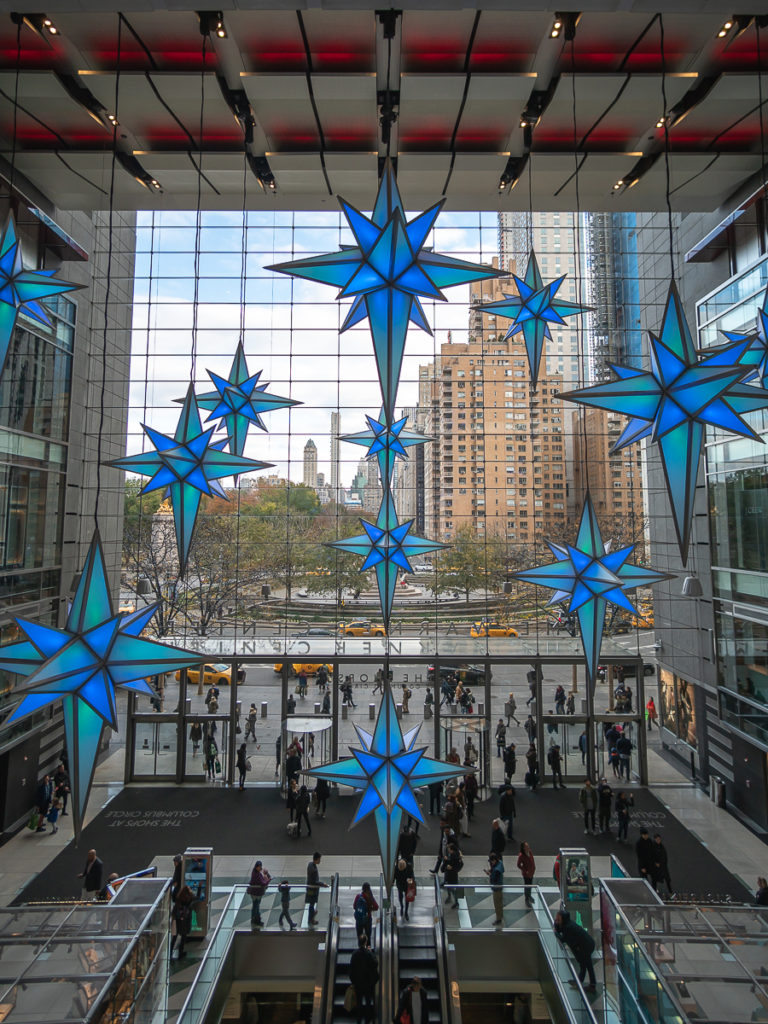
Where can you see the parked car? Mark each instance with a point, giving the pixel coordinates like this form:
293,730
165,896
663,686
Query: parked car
630,670
361,627
472,674
213,675
309,669
316,631
488,627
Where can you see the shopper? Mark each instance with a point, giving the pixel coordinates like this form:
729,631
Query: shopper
403,877
260,879
364,907
532,775
91,876
508,809
470,794
495,872
61,786
322,792
624,750
364,974
182,917
435,797
314,885
242,765
604,802
406,845
510,762
554,761
580,943
451,866
302,810
413,1002
211,757
250,722
527,867
651,715
498,839
583,746
501,738
761,895
285,904
588,800
621,806
644,851
660,865
510,707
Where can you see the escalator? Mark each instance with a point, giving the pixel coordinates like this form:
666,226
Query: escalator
346,945
418,957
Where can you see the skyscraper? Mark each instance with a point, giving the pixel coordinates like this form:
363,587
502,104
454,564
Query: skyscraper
310,464
335,430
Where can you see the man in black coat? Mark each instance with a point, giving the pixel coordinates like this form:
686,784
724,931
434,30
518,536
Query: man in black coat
407,845
644,850
659,864
580,943
507,809
498,840
91,876
413,998
510,762
364,973
43,800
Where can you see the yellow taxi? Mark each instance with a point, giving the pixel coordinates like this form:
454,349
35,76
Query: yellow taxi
487,627
305,667
213,675
361,627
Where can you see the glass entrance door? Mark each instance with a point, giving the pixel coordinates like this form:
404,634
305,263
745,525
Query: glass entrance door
154,749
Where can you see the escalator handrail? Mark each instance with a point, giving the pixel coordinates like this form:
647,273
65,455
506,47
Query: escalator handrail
391,994
331,951
383,951
564,995
441,958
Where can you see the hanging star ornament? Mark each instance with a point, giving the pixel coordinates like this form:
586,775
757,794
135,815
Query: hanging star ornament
674,402
590,576
81,664
386,769
386,441
534,309
22,289
386,545
239,400
189,465
757,353
386,272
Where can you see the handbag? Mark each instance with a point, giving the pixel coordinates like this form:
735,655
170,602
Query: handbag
248,765
410,892
218,765
405,1018
34,821
350,999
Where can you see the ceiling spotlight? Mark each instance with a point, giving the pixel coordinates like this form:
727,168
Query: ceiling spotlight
618,184
221,32
113,120
523,123
661,122
155,183
727,26
50,26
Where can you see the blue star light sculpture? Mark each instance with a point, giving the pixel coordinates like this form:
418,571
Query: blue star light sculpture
189,465
387,768
81,664
590,576
757,353
674,402
386,442
387,545
239,400
22,289
532,311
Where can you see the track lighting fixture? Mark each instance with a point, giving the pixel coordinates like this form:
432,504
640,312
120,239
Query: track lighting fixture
39,23
727,26
565,25
260,167
511,175
661,122
212,23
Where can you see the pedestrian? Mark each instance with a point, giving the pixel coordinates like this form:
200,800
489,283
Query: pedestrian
242,764
406,846
660,865
451,866
293,764
429,698
495,872
621,806
176,880
314,885
555,763
182,917
285,904
532,775
453,757
611,735
260,879
403,876
322,679
460,797
508,809
604,802
326,708
588,801
624,750
559,700
364,974
531,677
53,813
510,762
530,728
250,722
470,792
61,786
290,798
527,866
211,752
91,876
583,746
278,745
570,704
442,843
302,686
302,810
322,792
406,698
510,707
580,943
43,800
364,907
290,705
435,797
470,753
501,738
651,714
761,895
498,839
644,852
413,1003
379,681
451,813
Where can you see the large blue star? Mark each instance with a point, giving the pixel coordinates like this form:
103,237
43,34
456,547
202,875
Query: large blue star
387,768
534,309
386,272
591,576
757,353
387,546
676,400
82,664
239,400
386,441
21,289
189,464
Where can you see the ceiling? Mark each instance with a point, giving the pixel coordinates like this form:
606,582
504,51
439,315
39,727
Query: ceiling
291,104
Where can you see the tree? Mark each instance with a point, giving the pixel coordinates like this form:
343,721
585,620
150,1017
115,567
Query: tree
470,563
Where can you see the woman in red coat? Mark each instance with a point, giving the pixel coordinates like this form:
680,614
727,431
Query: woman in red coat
527,866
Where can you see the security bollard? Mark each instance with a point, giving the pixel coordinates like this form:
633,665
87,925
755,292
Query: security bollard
344,712
481,709
317,707
399,710
454,709
264,706
372,712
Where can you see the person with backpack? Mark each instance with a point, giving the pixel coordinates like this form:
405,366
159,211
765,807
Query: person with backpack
363,908
364,974
495,872
501,738
580,943
182,917
555,763
285,904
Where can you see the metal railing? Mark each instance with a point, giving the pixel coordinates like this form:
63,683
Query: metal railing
325,996
450,1012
